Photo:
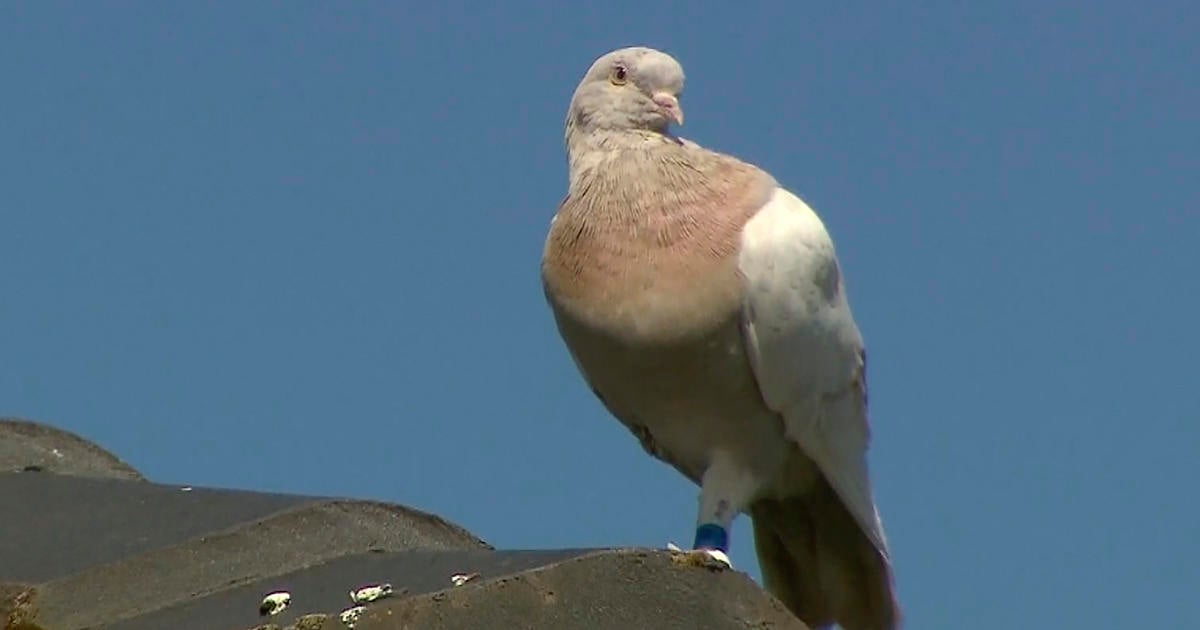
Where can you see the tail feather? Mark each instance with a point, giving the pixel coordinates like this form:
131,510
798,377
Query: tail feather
816,559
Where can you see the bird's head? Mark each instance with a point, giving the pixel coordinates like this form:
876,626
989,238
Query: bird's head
630,89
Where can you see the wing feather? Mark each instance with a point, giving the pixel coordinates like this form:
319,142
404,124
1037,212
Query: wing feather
805,349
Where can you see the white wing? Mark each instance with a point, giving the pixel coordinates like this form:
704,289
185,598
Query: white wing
806,351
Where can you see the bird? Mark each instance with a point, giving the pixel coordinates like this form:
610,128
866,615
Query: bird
704,305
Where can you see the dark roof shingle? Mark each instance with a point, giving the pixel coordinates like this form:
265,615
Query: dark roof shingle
87,543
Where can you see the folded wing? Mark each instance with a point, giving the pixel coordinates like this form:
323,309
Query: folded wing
805,349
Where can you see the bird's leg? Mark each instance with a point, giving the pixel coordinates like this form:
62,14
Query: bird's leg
725,490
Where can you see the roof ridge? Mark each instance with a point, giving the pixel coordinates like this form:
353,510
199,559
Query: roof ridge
40,447
162,577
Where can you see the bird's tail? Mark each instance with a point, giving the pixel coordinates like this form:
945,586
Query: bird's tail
818,562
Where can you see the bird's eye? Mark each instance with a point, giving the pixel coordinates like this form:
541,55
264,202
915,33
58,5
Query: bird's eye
619,75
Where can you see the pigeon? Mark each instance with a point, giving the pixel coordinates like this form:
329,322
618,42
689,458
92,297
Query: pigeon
704,305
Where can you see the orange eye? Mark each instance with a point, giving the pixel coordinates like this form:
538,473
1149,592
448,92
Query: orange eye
619,75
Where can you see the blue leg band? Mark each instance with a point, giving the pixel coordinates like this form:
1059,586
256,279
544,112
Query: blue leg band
710,536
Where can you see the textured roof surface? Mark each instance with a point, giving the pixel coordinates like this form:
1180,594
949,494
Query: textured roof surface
37,447
86,542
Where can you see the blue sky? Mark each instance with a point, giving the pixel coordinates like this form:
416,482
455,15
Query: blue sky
294,247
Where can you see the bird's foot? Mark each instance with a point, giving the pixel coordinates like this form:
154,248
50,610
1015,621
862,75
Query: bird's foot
714,559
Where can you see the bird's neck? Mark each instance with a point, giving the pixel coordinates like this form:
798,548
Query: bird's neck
590,151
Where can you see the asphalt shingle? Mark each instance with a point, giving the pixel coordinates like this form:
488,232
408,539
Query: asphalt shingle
31,446
87,543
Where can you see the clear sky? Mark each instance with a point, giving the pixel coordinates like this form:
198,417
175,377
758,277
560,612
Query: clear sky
294,247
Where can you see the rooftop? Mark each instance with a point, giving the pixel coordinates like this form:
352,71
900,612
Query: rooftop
88,542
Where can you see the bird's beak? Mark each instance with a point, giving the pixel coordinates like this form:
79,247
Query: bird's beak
669,105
